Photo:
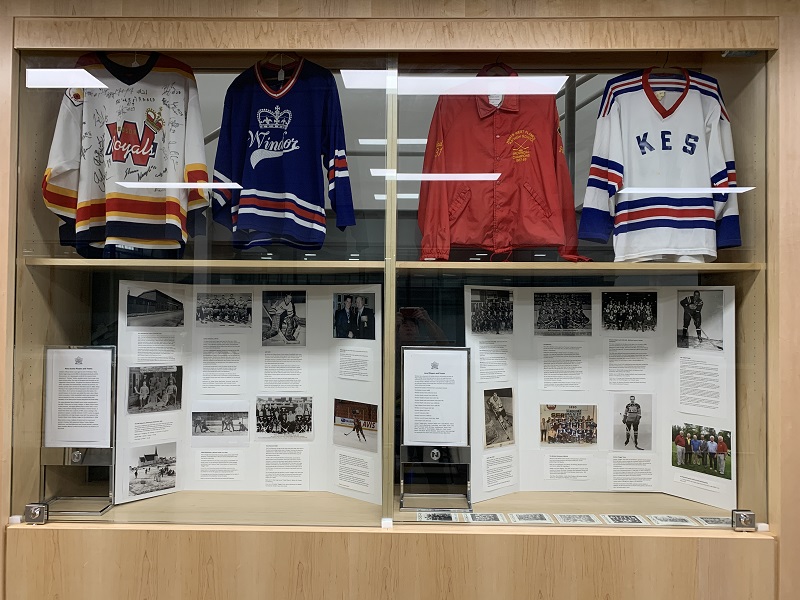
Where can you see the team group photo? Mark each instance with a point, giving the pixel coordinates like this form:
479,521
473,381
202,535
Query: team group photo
284,417
562,313
702,449
630,311
154,389
224,310
567,424
492,311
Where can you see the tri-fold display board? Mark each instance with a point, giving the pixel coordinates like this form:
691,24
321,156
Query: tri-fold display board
603,389
248,388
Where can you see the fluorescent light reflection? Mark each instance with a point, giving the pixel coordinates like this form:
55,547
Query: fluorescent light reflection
399,197
177,185
61,78
689,190
451,85
400,141
393,174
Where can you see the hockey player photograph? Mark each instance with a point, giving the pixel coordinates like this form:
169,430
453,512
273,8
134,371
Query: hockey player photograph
492,312
630,311
633,421
498,407
286,417
283,318
355,425
567,314
574,425
220,424
152,468
700,320
154,308
154,389
224,310
702,449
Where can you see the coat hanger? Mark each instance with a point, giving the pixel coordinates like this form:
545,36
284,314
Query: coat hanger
665,70
507,70
281,60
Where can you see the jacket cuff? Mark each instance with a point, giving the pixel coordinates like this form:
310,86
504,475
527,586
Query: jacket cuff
434,254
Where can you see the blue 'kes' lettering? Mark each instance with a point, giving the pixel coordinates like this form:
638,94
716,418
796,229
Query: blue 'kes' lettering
644,145
690,145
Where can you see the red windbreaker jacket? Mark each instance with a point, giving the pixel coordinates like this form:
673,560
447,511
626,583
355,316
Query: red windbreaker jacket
530,205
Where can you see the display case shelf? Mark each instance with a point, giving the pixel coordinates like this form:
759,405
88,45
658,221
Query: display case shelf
210,266
574,269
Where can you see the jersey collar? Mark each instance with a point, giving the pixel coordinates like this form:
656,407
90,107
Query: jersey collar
510,104
648,90
286,86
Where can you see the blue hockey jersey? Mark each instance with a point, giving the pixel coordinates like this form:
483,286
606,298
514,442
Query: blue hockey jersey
285,146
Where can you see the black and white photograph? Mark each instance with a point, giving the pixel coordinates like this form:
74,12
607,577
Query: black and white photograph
630,311
672,521
624,520
562,313
498,407
565,424
152,468
224,310
724,522
220,424
531,518
287,417
702,449
573,519
700,320
283,318
154,389
492,312
354,316
355,425
633,421
154,308
425,516
485,518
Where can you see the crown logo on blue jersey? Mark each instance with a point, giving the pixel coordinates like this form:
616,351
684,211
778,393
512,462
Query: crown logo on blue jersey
274,119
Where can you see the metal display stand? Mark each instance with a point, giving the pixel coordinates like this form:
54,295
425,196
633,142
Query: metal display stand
436,476
79,496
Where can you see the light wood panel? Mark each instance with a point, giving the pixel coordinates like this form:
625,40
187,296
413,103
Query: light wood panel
397,34
784,344
571,269
409,562
396,8
8,158
264,267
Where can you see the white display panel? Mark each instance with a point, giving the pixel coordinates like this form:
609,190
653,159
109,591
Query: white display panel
575,357
248,388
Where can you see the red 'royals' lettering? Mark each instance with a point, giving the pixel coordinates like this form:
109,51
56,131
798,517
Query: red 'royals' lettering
128,141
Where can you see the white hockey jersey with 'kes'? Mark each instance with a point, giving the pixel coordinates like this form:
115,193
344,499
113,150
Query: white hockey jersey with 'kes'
662,131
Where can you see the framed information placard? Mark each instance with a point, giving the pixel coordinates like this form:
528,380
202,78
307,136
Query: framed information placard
78,396
435,396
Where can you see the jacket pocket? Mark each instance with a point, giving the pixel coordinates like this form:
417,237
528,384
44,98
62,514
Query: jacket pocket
538,199
459,202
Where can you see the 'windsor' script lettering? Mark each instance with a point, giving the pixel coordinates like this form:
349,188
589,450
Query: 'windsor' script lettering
264,147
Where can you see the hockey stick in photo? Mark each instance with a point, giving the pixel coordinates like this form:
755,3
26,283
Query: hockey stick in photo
703,332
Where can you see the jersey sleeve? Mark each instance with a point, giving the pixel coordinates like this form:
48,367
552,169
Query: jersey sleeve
433,215
569,250
224,202
605,174
195,170
60,183
723,169
334,158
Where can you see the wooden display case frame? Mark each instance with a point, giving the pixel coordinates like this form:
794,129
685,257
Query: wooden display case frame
761,272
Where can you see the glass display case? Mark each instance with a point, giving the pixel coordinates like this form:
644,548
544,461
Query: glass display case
589,226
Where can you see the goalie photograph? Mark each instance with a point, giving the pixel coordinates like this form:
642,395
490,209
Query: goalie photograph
283,319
